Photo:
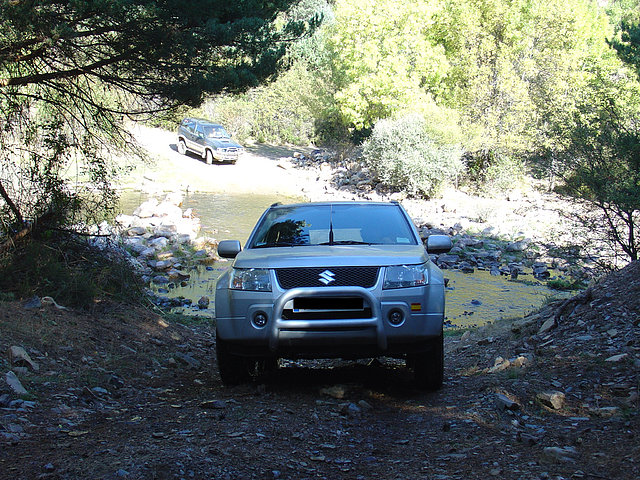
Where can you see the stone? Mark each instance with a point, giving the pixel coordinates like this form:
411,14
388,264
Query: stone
499,365
554,400
214,404
505,403
519,246
335,391
32,303
524,323
617,358
14,383
203,302
160,280
186,359
547,326
19,357
159,243
350,409
146,209
136,231
559,454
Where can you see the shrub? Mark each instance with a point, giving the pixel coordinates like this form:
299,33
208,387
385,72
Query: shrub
492,173
402,155
70,271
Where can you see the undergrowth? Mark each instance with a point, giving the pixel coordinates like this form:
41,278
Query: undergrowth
70,271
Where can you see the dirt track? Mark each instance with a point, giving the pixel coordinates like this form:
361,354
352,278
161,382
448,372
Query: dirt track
123,394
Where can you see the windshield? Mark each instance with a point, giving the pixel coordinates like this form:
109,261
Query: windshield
339,224
215,131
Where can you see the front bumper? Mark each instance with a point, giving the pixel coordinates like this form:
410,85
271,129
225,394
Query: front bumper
329,333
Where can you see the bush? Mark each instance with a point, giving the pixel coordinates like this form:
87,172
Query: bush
70,271
402,155
491,173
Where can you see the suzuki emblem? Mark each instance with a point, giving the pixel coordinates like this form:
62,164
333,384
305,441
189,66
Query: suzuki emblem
326,277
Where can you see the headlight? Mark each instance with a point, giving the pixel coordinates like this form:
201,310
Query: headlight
402,276
255,279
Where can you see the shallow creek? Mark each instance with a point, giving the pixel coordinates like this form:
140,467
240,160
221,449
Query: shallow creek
472,299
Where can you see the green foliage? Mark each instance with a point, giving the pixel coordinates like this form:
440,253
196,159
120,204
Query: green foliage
564,284
403,155
628,46
493,173
384,58
601,166
69,271
283,112
70,72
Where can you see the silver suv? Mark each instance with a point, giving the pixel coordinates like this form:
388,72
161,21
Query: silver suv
207,139
323,280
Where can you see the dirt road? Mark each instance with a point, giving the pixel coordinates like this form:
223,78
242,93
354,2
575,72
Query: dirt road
123,394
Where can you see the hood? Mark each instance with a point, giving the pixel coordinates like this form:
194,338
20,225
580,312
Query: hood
224,142
331,256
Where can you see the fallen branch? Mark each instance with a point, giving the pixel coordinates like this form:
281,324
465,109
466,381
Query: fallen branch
11,242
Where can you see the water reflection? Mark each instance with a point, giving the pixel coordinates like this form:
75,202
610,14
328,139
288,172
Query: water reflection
471,299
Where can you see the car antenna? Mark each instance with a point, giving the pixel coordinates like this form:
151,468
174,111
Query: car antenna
331,225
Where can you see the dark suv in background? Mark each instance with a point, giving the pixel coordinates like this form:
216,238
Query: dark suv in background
207,139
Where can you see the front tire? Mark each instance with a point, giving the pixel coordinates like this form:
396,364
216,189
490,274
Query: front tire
182,147
233,369
428,366
209,157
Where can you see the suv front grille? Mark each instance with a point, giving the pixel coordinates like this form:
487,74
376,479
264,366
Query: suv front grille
364,277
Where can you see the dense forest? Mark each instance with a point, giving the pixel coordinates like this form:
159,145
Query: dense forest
476,92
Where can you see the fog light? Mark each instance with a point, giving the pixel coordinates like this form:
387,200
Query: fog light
396,317
260,319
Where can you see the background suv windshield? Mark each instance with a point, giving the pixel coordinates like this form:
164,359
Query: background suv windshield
333,224
215,131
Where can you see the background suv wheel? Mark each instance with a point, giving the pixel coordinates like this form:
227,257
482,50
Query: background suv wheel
182,147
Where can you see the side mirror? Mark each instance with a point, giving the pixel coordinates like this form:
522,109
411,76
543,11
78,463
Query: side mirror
229,248
438,244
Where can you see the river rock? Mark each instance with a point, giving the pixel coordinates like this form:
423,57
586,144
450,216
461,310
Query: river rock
203,302
519,246
559,454
167,209
499,365
505,403
158,243
19,357
136,231
160,280
548,325
146,209
14,384
33,303
617,358
554,400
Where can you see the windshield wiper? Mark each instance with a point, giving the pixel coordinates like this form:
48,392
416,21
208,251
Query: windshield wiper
279,244
347,242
